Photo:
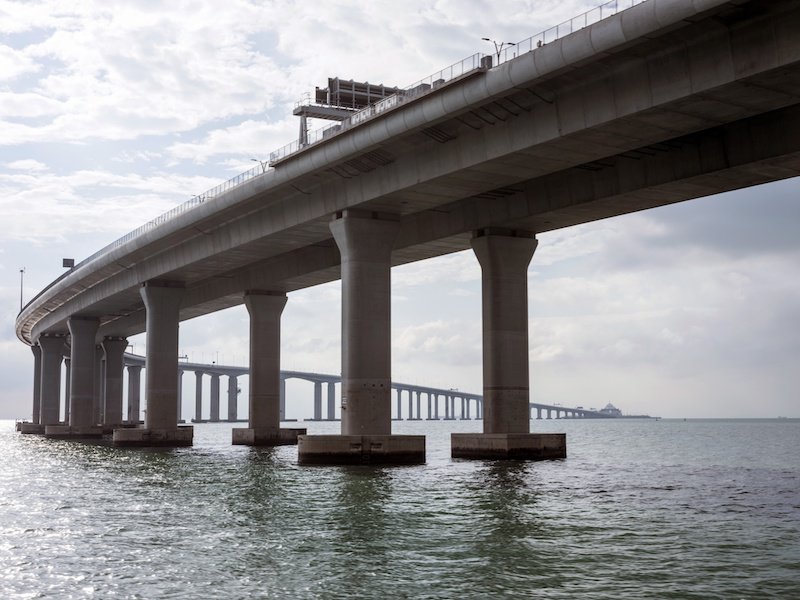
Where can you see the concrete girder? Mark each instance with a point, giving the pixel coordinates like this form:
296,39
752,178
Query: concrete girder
561,123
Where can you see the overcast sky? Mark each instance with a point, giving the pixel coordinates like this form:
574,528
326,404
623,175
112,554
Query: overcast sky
113,112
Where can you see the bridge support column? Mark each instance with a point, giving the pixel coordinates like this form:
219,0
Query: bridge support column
365,245
36,415
179,403
99,385
50,388
162,301
213,415
134,394
198,397
504,259
67,375
331,401
283,400
82,382
267,387
317,400
233,398
399,403
113,348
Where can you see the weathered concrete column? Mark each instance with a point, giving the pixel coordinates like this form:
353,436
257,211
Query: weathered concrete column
67,376
266,400
430,417
331,401
98,392
213,415
52,355
504,258
36,416
317,400
82,381
134,393
233,398
198,397
365,245
162,301
419,406
411,405
114,349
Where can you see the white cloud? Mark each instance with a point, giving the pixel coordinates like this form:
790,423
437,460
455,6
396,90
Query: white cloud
27,164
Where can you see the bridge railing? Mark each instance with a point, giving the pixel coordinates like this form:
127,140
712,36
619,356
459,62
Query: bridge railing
590,17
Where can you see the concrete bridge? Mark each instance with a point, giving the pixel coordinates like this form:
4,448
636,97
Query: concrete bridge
663,102
408,397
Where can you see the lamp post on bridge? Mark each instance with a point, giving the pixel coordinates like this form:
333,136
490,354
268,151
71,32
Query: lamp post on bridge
21,277
498,46
264,164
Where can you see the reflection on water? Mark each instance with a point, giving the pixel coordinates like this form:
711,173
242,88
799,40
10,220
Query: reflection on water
639,509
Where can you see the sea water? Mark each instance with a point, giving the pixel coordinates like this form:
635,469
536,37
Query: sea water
639,509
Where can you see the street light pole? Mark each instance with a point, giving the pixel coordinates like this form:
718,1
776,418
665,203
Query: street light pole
498,46
21,277
264,164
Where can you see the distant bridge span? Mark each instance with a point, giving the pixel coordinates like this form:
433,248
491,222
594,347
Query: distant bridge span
409,397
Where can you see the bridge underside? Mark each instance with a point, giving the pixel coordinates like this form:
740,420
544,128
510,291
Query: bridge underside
728,157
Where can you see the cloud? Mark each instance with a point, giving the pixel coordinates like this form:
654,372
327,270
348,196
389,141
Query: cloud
28,164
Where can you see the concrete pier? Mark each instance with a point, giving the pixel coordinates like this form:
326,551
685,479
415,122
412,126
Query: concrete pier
113,349
233,398
198,396
504,257
266,386
162,302
213,415
37,383
365,245
82,423
361,449
134,393
52,355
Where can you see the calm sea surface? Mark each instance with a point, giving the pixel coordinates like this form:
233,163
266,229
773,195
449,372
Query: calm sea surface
640,509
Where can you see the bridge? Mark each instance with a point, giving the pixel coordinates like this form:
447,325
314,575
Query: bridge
409,397
662,102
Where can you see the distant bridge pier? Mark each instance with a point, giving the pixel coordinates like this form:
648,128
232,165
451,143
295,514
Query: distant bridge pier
317,401
365,245
331,401
162,302
283,399
213,415
504,258
198,397
233,398
266,401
